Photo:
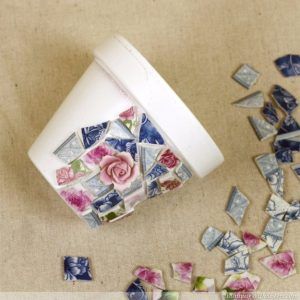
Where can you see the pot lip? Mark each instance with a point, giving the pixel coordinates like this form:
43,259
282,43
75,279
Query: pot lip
135,75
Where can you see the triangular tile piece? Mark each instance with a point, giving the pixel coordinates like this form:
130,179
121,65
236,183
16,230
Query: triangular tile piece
254,100
289,124
270,114
282,264
148,155
238,263
262,128
288,65
276,181
92,134
253,242
267,163
118,130
277,207
286,101
293,212
156,172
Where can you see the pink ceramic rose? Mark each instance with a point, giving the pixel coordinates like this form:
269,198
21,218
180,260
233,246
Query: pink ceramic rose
77,199
119,169
64,175
95,155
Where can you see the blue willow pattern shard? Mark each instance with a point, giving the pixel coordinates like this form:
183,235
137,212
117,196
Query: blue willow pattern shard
270,114
231,244
246,76
77,268
148,133
277,207
293,212
263,129
153,189
136,291
122,145
92,134
266,163
238,263
156,172
288,65
183,172
288,125
276,181
284,99
284,155
107,202
292,144
95,186
211,237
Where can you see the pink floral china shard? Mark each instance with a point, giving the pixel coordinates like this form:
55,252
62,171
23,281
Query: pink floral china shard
94,156
182,271
245,282
152,276
281,264
253,242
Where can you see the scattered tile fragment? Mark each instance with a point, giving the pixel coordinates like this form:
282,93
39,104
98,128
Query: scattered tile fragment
237,263
263,129
94,185
183,172
91,218
270,114
204,284
77,268
284,155
148,133
255,100
136,291
253,242
164,295
70,149
211,237
276,181
148,155
119,131
152,276
168,159
287,143
245,282
281,264
285,100
293,212
237,205
246,76
231,244
273,234
123,145
296,170
106,202
92,134
266,163
277,207
289,124
288,65
156,171
182,271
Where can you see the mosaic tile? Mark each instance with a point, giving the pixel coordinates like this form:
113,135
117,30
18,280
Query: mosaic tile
94,156
253,242
296,170
123,145
293,212
281,264
285,100
237,263
156,171
158,294
168,159
230,244
133,199
276,181
289,124
153,277
287,145
153,189
284,155
263,129
91,218
135,185
106,202
136,291
116,213
182,271
204,284
70,149
266,163
95,186
270,114
92,134
211,237
245,282
130,119
168,182
288,65
237,205
148,133
183,172
254,100
77,268
246,76
277,207
119,131
148,155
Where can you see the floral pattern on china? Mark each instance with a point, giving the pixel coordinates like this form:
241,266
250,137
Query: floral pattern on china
126,159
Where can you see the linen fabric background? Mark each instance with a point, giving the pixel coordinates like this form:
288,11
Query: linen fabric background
196,46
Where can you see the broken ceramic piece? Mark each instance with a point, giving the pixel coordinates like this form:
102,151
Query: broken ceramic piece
237,205
148,133
288,143
237,263
267,164
285,100
153,189
183,172
77,268
168,182
293,212
274,233
281,264
70,149
254,100
245,282
288,65
246,76
263,129
164,295
93,134
94,185
284,155
152,276
277,207
94,156
182,271
130,119
211,238
204,284
118,130
168,159
230,244
136,291
148,155
106,202
253,242
276,181
155,172
288,125
296,169
270,114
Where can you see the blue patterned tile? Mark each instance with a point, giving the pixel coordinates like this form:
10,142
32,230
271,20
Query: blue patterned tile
288,65
156,172
288,125
106,202
292,144
293,212
238,263
153,189
275,180
254,100
211,237
284,99
284,155
77,268
136,291
148,155
118,130
263,129
277,207
270,114
148,133
231,244
122,145
92,134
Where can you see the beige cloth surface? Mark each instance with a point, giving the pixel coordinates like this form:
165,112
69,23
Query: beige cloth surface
196,46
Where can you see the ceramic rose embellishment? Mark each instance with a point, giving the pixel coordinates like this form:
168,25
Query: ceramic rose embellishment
119,169
182,271
151,276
